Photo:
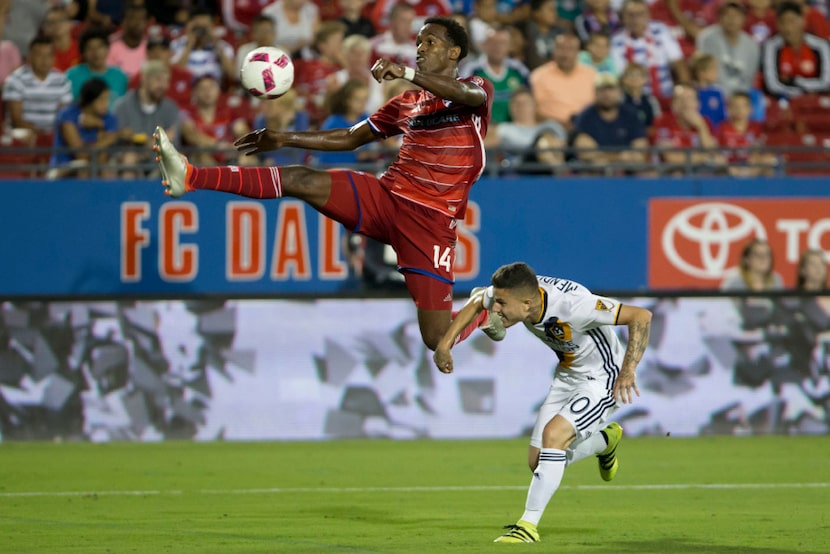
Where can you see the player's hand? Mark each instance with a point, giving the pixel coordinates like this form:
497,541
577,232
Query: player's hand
443,359
386,70
256,142
626,383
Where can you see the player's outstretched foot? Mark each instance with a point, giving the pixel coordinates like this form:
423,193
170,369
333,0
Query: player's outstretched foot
607,459
494,328
522,531
173,166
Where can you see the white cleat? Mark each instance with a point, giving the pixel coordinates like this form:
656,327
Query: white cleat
173,166
495,326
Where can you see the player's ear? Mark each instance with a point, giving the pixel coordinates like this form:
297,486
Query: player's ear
455,53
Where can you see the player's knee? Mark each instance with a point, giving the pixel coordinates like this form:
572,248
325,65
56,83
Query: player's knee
558,433
303,182
431,338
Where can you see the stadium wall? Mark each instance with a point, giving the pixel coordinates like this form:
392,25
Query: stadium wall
123,238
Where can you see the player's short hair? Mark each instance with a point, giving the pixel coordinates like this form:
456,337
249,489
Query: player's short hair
456,33
517,276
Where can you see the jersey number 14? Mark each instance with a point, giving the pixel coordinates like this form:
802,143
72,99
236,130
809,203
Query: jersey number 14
442,259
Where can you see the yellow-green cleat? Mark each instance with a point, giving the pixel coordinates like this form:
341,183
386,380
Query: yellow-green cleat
522,531
607,459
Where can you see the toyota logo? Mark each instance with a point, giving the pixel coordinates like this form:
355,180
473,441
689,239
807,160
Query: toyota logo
714,227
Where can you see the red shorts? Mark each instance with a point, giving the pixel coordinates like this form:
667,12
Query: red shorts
423,238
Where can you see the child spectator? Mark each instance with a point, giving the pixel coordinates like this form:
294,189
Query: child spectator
633,80
129,50
94,46
597,17
597,54
704,69
81,126
683,132
744,139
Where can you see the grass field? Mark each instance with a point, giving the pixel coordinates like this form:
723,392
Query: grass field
720,495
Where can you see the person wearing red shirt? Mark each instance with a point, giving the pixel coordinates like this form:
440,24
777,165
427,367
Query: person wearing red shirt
310,75
415,206
760,20
57,26
158,48
743,139
423,9
683,132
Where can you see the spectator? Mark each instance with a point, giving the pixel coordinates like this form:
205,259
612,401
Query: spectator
352,17
738,55
744,139
815,22
482,21
94,47
597,17
263,33
755,271
651,44
347,107
545,157
540,32
357,51
812,271
506,74
516,136
129,50
23,19
83,126
57,26
9,53
760,20
139,111
563,87
687,18
296,22
200,52
597,54
209,124
102,14
633,80
34,93
311,75
518,44
710,96
794,62
282,115
608,131
683,132
396,43
158,49
239,16
422,9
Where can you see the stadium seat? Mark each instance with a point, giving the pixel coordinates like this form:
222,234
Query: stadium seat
779,116
813,158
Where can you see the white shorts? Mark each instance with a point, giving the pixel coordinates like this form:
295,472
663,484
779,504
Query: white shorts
586,403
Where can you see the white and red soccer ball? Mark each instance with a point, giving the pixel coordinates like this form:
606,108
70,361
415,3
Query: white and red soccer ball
267,72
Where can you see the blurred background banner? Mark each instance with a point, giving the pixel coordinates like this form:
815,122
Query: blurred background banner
305,370
125,237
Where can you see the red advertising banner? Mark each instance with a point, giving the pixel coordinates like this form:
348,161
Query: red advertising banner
692,242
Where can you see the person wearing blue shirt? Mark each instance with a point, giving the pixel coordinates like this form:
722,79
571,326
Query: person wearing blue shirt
81,127
347,108
608,132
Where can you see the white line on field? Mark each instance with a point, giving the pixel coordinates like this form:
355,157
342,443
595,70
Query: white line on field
280,490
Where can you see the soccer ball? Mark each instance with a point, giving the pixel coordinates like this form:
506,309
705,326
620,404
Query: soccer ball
267,72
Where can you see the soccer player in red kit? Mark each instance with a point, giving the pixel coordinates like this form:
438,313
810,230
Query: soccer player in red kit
415,205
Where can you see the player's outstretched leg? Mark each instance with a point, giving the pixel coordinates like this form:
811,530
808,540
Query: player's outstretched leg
522,531
173,166
494,328
607,459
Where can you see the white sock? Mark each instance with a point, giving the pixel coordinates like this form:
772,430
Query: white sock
545,481
591,446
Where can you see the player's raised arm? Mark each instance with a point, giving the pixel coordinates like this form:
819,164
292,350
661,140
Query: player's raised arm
443,86
639,325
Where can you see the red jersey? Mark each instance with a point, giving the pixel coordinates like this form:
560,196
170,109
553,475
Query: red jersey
730,137
442,153
668,129
64,59
760,27
310,83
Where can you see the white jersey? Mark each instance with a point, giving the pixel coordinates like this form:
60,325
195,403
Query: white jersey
575,324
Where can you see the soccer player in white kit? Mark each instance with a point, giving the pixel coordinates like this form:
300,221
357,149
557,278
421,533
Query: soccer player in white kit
594,374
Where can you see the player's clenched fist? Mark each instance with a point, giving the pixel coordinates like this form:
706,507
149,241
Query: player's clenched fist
386,70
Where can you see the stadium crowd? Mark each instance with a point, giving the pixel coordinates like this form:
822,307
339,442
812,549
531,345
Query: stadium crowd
593,84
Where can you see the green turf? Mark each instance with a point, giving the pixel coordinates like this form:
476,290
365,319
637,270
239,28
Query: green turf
203,497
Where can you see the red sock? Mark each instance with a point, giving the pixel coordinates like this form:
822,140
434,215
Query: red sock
253,182
468,330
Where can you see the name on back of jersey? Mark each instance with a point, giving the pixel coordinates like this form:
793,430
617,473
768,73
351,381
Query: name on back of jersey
562,284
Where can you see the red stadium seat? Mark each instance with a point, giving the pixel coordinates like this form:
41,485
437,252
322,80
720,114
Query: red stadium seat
779,116
814,156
